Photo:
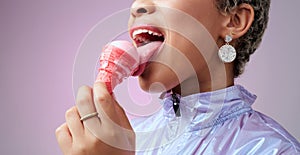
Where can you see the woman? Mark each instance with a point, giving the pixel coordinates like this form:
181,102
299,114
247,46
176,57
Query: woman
203,112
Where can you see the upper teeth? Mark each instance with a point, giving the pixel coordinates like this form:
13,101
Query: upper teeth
140,31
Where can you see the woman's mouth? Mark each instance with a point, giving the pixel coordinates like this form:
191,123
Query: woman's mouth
148,41
143,35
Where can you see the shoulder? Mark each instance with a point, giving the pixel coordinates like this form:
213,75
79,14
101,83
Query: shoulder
262,133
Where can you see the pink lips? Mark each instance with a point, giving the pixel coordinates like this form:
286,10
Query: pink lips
145,27
146,51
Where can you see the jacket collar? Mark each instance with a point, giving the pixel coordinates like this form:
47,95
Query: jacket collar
203,110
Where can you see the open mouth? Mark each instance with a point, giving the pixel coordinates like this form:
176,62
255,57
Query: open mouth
148,41
145,35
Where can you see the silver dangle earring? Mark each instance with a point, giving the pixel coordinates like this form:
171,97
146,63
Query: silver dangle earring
227,53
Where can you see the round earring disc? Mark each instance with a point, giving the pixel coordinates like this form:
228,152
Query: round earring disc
227,53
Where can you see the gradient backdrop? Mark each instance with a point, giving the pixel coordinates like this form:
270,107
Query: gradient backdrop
38,44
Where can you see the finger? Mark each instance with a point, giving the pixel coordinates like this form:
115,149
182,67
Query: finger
112,130
85,106
63,137
104,103
122,117
73,122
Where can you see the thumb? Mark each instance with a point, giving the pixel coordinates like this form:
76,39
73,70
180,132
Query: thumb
108,107
104,102
115,127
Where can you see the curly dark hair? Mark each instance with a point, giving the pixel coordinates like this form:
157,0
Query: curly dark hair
248,43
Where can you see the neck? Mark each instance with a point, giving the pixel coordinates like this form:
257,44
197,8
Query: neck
209,80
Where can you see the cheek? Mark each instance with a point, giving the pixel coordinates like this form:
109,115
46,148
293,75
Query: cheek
193,40
188,57
174,64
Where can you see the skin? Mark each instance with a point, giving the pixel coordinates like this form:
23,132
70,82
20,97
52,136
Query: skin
74,138
217,24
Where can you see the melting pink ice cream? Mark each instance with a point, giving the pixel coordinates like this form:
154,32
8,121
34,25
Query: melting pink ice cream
120,59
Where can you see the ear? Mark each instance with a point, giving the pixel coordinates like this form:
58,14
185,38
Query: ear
239,21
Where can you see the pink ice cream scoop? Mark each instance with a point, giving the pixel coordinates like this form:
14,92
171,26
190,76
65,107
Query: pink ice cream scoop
120,59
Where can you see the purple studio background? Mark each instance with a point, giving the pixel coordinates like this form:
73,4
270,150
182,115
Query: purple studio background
38,45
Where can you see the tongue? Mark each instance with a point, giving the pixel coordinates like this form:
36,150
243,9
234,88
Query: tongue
145,53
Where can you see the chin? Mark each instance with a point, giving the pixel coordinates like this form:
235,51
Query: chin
157,78
151,86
